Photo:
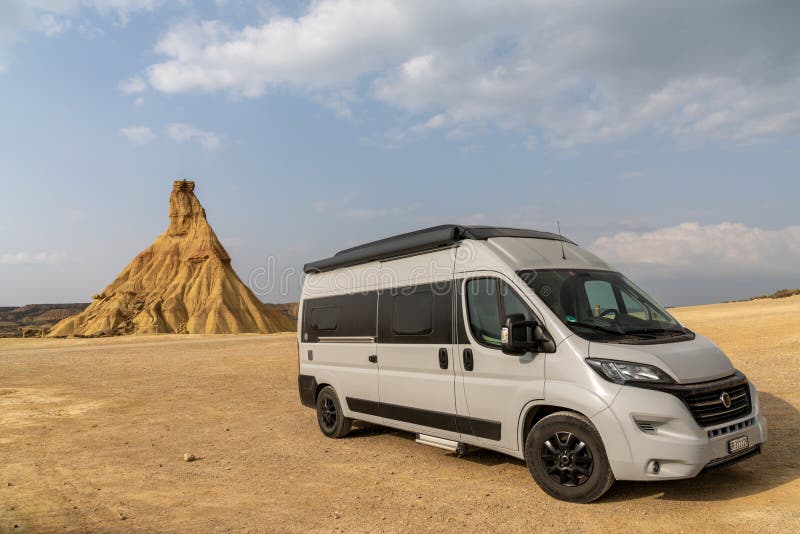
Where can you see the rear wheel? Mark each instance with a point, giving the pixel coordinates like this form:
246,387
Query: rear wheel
566,457
331,420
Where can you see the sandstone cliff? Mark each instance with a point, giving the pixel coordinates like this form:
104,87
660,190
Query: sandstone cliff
182,283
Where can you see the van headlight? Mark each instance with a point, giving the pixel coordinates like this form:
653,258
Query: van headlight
622,372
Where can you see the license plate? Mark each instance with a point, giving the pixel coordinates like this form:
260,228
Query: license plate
738,444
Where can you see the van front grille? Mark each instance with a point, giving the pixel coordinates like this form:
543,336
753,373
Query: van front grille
714,402
709,407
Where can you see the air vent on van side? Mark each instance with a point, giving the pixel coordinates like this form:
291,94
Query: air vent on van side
646,426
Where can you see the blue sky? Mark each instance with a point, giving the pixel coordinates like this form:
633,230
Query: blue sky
664,137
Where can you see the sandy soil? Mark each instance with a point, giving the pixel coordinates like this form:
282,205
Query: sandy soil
93,433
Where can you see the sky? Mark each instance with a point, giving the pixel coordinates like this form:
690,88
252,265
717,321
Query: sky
662,135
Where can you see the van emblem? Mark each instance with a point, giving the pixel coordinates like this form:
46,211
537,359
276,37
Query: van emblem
725,399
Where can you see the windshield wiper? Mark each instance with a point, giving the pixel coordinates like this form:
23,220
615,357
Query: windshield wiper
657,331
598,327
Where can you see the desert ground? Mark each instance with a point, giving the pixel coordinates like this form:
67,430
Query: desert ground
93,433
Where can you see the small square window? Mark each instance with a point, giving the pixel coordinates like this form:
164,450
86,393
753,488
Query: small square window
412,315
324,318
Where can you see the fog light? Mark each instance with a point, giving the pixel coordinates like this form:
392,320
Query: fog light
656,467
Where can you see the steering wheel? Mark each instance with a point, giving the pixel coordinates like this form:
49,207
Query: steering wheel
609,311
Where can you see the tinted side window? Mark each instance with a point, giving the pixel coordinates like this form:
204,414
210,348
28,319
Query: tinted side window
489,301
483,306
412,315
416,314
324,318
352,315
513,303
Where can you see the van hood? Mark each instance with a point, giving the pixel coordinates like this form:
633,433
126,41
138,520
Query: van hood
697,360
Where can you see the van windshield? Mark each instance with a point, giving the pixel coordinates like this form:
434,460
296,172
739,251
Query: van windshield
604,306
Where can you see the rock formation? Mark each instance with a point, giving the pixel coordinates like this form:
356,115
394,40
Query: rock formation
182,283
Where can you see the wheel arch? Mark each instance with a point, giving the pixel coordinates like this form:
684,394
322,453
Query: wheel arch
311,384
559,396
536,413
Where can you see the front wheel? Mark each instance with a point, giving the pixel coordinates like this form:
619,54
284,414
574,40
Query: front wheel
566,457
331,420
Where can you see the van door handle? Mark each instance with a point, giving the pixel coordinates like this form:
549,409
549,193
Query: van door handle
373,358
469,363
443,358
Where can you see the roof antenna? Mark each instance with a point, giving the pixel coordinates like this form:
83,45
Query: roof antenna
563,256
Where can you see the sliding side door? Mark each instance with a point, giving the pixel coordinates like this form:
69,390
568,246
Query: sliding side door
416,378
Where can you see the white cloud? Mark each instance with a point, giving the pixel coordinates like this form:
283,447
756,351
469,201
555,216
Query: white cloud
183,132
51,25
27,258
726,248
573,72
133,86
335,42
340,102
692,263
138,135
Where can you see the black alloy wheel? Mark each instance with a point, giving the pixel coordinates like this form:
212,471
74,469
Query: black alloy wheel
568,459
330,417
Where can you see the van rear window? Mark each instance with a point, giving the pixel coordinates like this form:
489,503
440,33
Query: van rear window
324,318
412,315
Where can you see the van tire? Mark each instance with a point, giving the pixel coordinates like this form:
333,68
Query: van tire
330,417
563,467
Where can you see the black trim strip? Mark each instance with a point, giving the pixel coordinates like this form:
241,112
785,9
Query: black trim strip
364,406
481,428
684,390
307,384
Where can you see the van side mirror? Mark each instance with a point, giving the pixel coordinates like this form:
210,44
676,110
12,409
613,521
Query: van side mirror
520,335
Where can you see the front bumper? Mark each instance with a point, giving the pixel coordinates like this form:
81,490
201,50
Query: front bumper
677,443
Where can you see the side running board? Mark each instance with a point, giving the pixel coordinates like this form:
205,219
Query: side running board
446,444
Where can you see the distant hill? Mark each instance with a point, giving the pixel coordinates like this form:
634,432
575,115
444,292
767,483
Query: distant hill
781,293
13,319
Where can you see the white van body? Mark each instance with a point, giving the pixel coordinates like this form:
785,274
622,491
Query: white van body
435,373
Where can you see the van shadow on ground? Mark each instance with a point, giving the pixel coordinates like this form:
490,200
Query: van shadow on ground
777,465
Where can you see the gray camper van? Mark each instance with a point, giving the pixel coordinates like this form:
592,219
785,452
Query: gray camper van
521,342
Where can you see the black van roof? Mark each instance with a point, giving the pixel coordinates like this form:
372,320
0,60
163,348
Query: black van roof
419,241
